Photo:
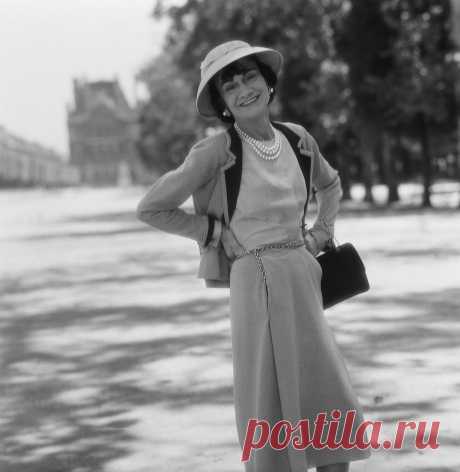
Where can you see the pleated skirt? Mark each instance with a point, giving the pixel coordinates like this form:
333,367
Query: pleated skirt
286,362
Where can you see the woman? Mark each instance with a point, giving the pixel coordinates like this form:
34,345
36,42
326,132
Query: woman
250,186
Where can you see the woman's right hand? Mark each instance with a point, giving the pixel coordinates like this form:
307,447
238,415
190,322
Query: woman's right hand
311,244
231,245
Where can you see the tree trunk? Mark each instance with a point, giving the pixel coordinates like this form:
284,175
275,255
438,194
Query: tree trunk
345,179
344,173
389,174
426,160
367,135
457,155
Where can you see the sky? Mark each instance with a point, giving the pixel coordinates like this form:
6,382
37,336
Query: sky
45,44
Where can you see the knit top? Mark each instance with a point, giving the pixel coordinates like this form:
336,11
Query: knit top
271,199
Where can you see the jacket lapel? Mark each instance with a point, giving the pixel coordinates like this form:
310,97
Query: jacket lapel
233,173
303,157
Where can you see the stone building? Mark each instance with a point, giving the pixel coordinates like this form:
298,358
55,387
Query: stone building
27,163
102,133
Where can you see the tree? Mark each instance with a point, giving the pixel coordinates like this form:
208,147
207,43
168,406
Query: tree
401,77
168,120
310,90
420,87
363,39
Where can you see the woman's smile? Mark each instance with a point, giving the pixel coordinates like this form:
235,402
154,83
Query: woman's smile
244,90
249,101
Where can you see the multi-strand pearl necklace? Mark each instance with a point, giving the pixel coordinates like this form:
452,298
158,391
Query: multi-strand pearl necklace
268,153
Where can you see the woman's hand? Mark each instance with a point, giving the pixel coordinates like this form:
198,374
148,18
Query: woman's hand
231,245
311,244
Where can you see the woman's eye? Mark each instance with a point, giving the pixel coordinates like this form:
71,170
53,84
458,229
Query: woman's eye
229,86
251,75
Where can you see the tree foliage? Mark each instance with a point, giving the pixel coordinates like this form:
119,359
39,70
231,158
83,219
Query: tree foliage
168,120
357,73
401,73
299,29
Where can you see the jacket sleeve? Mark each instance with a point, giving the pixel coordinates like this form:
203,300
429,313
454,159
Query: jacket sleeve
328,190
160,206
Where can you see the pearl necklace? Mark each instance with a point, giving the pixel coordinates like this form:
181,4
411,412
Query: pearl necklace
269,153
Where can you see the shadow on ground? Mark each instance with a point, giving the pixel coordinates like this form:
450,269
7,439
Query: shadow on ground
81,349
56,398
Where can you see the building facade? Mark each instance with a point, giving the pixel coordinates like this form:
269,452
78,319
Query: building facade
26,163
102,134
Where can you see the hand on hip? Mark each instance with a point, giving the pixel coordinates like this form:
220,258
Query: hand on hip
231,245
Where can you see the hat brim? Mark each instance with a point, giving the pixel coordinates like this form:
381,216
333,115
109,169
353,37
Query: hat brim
268,56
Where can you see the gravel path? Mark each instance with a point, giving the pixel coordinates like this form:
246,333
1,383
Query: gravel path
115,358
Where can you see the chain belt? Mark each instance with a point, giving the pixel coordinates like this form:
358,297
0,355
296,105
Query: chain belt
256,252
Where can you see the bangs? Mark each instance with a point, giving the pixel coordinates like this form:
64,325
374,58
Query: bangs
241,66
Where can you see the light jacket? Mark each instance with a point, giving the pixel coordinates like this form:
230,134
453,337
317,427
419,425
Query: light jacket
211,173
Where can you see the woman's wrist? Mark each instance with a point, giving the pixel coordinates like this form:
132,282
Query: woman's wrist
210,232
217,233
311,243
214,232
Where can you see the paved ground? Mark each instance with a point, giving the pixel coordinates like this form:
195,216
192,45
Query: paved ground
115,358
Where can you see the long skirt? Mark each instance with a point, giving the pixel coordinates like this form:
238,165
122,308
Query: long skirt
286,363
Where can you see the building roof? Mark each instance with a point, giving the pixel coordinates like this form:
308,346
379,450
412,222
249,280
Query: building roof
19,144
106,94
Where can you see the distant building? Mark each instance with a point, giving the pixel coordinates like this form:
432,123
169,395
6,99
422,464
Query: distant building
102,133
24,163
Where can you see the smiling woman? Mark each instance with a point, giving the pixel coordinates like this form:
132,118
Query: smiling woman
251,184
247,72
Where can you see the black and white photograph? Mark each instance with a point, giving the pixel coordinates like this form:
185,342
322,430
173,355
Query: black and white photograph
229,236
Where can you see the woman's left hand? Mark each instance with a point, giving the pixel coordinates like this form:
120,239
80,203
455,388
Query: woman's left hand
231,245
311,244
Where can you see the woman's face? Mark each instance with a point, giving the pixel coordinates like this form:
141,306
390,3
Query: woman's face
243,89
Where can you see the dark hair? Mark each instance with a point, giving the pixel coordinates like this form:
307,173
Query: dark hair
229,71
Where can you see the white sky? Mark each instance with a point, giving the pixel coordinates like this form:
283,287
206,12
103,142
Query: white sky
45,43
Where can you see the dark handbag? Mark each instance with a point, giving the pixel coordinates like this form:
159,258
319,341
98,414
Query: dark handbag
344,274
